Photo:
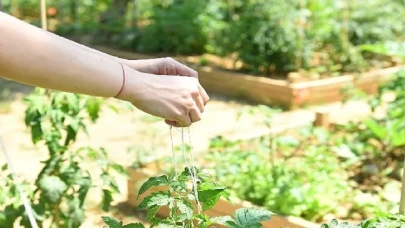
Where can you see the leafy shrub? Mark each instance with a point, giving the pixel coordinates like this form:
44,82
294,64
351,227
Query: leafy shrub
180,26
377,21
388,221
55,120
299,178
265,35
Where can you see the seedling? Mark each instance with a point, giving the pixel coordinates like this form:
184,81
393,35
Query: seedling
182,201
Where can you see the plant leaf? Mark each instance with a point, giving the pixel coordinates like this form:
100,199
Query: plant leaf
52,188
155,199
153,181
186,208
107,199
251,217
375,128
224,220
152,213
134,225
112,223
209,194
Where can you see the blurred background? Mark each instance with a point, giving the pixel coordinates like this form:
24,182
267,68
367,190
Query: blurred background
340,159
266,37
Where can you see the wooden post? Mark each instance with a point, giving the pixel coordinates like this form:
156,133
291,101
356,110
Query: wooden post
301,36
345,27
402,201
322,119
43,15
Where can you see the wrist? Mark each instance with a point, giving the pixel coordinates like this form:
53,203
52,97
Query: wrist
129,79
124,61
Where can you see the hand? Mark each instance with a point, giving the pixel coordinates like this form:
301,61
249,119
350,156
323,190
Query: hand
169,67
177,99
161,66
165,66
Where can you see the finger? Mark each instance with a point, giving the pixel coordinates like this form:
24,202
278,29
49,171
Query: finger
195,115
172,123
185,70
200,103
183,121
203,94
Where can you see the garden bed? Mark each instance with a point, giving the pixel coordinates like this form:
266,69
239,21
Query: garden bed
349,172
285,93
334,176
139,175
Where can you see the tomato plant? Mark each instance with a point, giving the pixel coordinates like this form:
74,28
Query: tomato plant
61,187
182,202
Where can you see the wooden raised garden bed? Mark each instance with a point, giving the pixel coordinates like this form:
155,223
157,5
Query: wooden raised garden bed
140,175
286,93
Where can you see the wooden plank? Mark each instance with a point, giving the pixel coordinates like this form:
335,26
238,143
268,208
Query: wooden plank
267,96
268,91
375,75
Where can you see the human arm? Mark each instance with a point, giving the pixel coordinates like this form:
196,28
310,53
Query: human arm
33,56
160,66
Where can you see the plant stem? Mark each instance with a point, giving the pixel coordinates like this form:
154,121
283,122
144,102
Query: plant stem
43,15
301,34
57,214
345,29
402,201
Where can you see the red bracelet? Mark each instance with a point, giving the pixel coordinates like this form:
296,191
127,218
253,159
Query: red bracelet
123,81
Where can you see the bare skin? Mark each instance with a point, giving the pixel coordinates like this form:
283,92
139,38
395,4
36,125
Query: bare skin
161,87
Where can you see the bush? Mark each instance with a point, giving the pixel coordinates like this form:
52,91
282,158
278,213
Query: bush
180,27
266,36
377,21
299,178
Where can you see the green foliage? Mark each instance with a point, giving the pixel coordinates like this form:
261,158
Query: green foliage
181,200
112,223
384,135
10,201
179,27
386,221
269,37
301,177
56,119
388,48
265,35
377,21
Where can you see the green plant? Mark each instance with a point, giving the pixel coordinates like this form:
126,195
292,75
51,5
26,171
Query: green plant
367,25
178,27
382,138
183,201
10,200
296,177
265,35
386,221
60,191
